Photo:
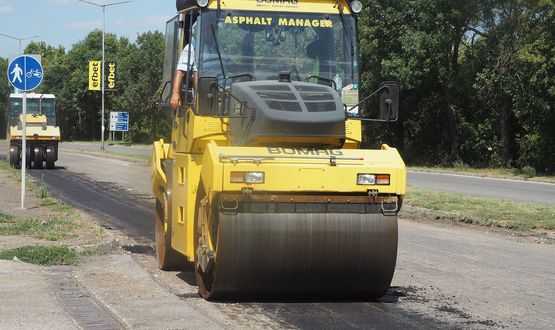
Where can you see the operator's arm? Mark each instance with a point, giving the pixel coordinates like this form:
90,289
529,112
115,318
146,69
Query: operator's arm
179,77
175,101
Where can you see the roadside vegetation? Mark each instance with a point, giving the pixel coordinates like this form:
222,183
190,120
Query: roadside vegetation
53,228
128,155
527,173
43,255
443,206
12,172
59,234
145,158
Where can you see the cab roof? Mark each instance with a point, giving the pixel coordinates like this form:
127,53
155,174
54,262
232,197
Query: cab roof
185,4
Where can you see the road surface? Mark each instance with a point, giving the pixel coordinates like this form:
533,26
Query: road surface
446,277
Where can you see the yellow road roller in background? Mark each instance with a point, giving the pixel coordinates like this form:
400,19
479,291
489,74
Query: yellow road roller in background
42,133
263,185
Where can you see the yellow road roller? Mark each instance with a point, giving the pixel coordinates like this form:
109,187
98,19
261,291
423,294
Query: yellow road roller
42,132
263,186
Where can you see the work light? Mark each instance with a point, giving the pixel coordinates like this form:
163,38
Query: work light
247,177
356,6
366,179
373,179
202,3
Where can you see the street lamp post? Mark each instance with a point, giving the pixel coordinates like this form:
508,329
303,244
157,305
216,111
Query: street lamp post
19,39
103,6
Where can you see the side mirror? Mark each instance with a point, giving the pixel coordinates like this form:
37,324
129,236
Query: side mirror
389,101
208,94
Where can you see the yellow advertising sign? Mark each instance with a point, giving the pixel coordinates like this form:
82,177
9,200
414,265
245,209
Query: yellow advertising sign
94,75
111,75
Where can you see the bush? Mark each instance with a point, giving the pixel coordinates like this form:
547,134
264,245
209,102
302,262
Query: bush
529,171
459,164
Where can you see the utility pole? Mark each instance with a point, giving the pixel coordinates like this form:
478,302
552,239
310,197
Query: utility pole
103,6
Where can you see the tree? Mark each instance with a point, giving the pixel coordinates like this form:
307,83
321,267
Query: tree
4,92
420,42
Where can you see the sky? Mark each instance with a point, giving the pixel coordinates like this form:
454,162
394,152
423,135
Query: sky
66,22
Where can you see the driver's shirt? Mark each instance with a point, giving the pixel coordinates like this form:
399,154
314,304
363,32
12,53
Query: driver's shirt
183,63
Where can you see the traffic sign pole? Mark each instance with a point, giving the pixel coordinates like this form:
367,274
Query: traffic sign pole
102,116
23,149
27,75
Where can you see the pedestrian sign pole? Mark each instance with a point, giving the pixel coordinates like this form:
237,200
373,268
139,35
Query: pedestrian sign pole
25,74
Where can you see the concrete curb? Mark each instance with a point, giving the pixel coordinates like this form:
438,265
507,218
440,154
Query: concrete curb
104,247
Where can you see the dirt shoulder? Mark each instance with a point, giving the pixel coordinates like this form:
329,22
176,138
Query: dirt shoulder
44,220
114,285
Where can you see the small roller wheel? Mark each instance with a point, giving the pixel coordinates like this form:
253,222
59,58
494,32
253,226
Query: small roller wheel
38,157
204,256
14,156
28,157
50,157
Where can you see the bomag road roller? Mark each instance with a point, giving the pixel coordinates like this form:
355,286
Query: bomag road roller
42,134
263,185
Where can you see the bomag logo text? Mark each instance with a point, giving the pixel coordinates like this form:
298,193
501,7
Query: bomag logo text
304,152
291,2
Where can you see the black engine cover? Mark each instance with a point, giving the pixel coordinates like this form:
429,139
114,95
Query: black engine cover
287,110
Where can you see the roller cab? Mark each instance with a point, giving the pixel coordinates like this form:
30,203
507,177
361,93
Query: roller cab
263,187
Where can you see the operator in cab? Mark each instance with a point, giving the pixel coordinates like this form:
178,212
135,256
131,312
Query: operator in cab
183,68
209,67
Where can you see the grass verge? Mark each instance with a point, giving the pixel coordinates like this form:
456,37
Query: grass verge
478,210
12,172
145,158
43,255
38,188
502,173
51,229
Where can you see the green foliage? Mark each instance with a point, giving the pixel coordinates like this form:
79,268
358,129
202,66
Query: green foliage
459,164
477,79
4,92
529,171
42,255
139,74
6,218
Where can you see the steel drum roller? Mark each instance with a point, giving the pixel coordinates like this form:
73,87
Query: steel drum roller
342,254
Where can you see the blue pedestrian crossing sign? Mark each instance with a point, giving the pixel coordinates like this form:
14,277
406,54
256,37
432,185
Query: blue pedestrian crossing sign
25,73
